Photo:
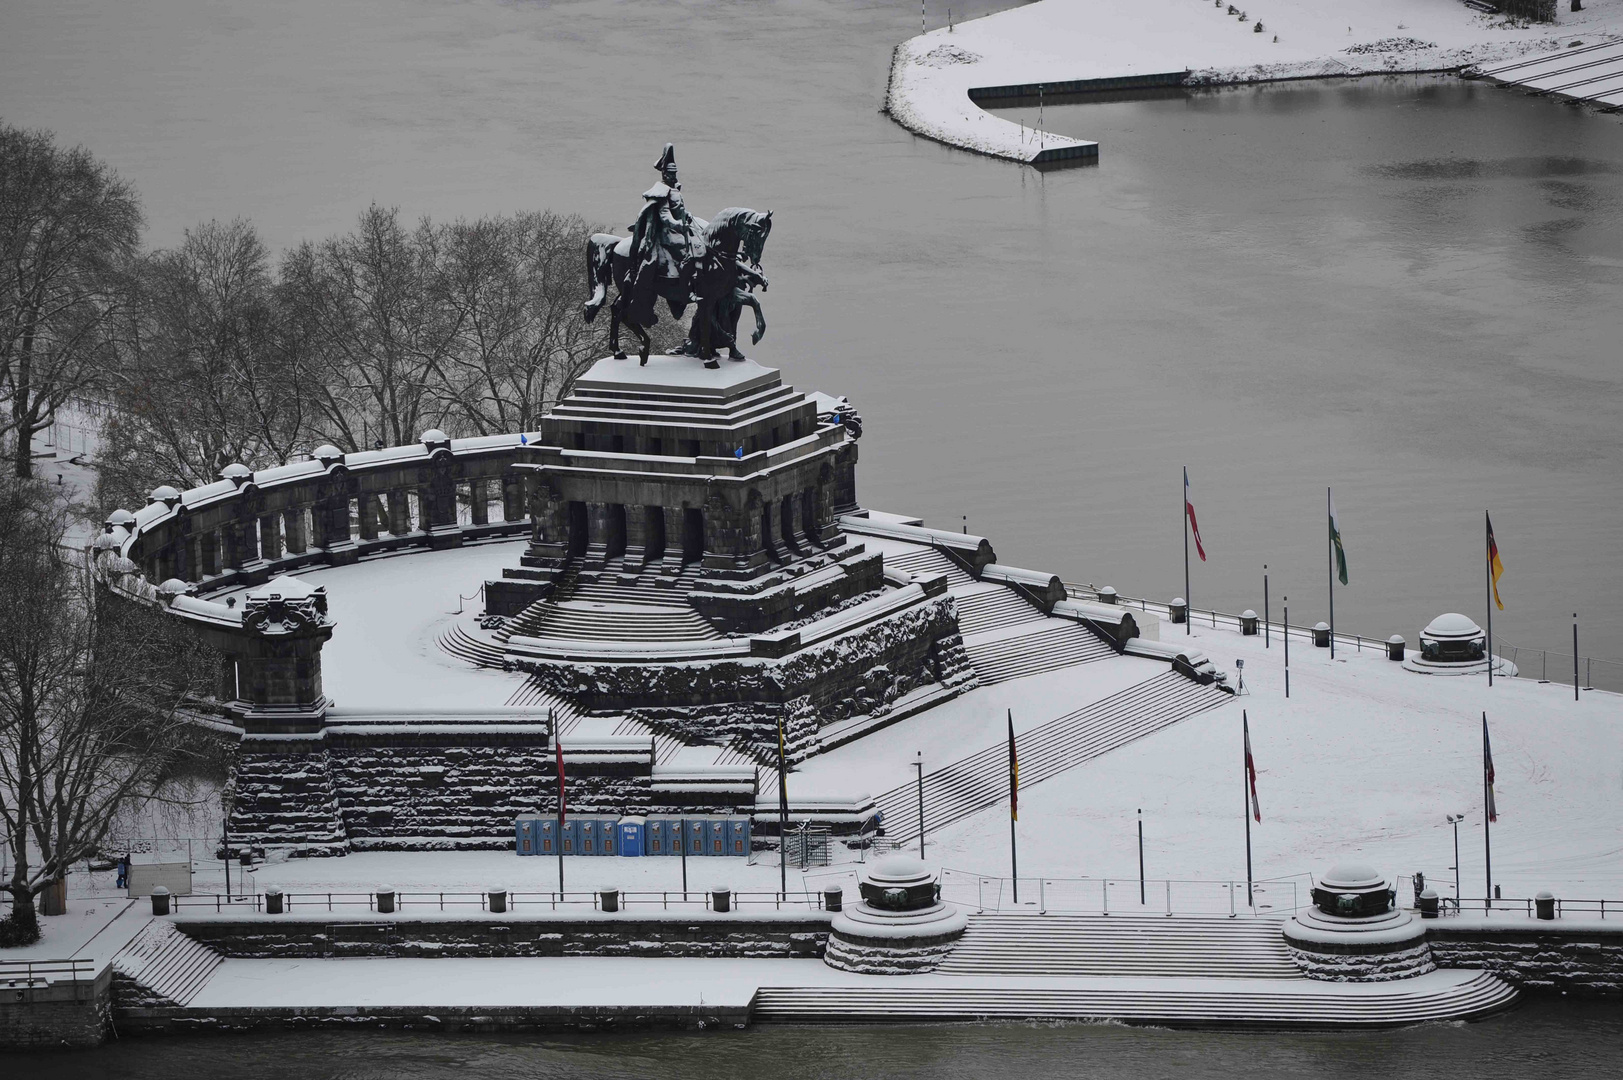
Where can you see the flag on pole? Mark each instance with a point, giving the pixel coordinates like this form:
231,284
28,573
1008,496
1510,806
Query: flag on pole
1335,538
558,747
1189,508
1487,769
1251,768
1495,567
1014,774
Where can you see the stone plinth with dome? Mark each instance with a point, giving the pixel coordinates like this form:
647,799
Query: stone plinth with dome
1353,932
901,926
1453,644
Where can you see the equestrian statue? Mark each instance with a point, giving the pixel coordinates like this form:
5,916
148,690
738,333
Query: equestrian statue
714,265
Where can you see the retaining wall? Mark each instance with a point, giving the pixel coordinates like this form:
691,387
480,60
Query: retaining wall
1574,957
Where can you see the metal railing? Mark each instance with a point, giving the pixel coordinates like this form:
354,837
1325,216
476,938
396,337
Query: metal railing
1528,906
1275,897
452,901
18,974
1530,663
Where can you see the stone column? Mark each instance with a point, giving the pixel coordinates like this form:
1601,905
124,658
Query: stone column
636,538
827,530
293,531
439,503
478,497
208,553
370,514
270,536
228,678
512,496
675,539
194,558
597,534
721,534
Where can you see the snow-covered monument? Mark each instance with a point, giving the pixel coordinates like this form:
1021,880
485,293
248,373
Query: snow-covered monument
672,571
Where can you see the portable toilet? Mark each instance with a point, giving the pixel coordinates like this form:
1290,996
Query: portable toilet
632,836
588,836
715,836
608,836
569,836
546,836
693,836
524,842
653,836
738,836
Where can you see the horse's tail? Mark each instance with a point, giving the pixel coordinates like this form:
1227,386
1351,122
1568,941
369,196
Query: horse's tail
599,270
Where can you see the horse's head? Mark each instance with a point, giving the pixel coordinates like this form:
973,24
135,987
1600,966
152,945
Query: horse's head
740,229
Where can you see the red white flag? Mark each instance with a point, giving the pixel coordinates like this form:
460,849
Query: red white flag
1189,508
1487,770
558,746
1250,768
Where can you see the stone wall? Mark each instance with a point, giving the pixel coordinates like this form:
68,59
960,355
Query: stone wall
293,936
741,700
435,789
1583,959
63,1014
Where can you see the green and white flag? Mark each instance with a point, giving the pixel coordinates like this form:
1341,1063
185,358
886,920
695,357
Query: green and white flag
1335,538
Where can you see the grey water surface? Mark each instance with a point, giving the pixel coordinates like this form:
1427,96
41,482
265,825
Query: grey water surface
1405,287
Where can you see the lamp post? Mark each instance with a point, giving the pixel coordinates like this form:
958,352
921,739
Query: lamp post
1454,820
919,765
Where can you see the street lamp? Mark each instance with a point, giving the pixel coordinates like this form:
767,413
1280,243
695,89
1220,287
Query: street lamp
919,765
1454,820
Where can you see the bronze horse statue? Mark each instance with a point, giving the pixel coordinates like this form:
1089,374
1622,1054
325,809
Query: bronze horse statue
722,268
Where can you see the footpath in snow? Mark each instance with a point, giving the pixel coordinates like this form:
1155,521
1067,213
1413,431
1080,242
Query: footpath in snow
1059,42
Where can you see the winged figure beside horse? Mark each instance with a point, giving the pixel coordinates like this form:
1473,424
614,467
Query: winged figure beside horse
673,256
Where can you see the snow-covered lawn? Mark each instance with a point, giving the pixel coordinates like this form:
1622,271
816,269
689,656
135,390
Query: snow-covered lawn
1062,40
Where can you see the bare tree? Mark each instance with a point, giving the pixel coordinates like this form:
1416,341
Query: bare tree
89,694
207,376
67,224
377,340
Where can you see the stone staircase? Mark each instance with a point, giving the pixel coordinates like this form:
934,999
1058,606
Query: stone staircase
162,967
1203,1003
592,621
981,780
928,562
992,607
480,652
1184,946
1048,646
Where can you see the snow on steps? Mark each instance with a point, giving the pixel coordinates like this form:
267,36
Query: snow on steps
1117,945
981,780
992,608
1048,647
165,965
928,562
1269,1003
458,642
592,621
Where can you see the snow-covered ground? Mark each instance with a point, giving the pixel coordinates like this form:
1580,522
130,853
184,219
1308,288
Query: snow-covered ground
1063,40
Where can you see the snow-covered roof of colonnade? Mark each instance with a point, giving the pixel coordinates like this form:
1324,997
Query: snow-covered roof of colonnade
1060,42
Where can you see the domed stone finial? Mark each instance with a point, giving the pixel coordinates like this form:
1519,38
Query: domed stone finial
165,494
238,473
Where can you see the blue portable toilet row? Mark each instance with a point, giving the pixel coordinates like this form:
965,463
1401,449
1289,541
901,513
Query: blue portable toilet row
709,835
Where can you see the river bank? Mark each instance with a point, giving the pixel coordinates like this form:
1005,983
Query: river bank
1063,43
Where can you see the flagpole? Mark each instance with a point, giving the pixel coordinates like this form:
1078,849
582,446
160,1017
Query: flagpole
1487,587
1330,535
1014,811
783,815
1188,608
1245,785
1487,818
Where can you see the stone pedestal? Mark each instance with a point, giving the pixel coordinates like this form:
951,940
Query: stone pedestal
901,926
1353,932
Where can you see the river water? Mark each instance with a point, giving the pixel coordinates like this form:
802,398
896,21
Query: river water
1406,288
1550,1039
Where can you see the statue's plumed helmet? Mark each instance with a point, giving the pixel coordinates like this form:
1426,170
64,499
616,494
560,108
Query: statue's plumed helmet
667,160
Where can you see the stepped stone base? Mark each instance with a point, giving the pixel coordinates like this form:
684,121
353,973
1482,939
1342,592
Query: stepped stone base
1376,948
1381,966
741,701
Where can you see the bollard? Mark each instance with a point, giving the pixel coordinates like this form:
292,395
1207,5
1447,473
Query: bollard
1394,647
609,899
833,898
273,901
1427,903
160,901
498,900
386,901
245,858
1321,634
721,899
1179,609
1419,886
1248,623
1545,902
1107,595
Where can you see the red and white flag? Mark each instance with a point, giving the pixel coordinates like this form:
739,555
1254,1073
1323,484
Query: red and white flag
1189,508
1250,768
1487,770
558,746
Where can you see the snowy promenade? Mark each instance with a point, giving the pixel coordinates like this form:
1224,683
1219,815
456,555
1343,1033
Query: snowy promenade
1067,41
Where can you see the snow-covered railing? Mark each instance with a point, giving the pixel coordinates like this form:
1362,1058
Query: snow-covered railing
664,900
20,974
1274,897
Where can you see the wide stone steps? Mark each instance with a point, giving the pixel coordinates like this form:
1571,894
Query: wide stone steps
458,642
1116,945
927,562
166,963
992,609
1059,646
622,622
1215,1003
642,591
981,779
532,695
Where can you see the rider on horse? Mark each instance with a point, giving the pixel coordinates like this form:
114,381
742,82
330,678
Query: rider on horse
662,237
